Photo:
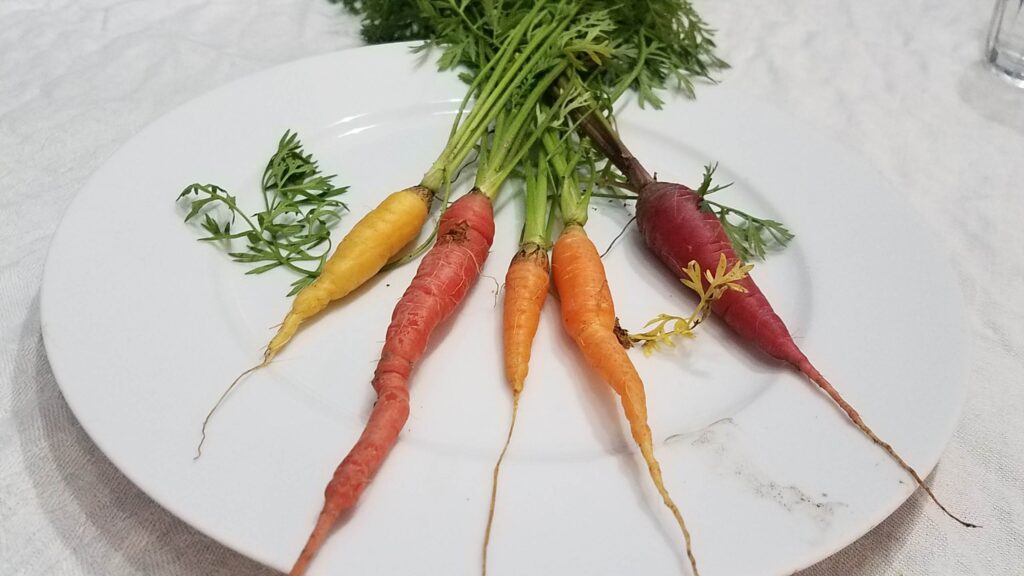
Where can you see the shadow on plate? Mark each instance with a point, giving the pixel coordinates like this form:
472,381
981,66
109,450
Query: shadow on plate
104,521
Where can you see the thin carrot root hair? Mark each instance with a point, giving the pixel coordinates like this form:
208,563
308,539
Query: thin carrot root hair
641,433
655,471
812,373
220,400
495,475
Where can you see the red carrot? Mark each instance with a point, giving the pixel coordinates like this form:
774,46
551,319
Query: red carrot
442,280
677,231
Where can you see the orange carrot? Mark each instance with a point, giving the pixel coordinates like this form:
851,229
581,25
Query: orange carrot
526,289
588,315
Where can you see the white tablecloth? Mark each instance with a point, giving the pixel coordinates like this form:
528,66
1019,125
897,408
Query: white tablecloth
899,82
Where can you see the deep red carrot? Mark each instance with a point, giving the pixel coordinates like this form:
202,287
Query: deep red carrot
677,231
442,280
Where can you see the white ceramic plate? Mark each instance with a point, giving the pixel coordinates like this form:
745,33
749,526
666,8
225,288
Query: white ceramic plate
145,326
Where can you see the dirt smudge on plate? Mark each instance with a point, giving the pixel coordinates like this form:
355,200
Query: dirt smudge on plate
722,442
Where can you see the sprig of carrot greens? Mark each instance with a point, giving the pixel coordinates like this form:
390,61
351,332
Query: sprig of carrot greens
751,236
300,206
661,44
388,20
665,327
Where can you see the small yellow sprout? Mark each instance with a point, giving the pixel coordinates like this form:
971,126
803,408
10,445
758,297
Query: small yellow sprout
709,287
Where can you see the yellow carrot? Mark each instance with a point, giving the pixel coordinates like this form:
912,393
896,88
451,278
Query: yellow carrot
374,240
371,243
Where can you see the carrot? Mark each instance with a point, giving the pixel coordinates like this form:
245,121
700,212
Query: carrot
443,279
371,243
678,231
675,228
526,289
588,315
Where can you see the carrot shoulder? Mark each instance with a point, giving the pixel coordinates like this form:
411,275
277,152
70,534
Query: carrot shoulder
588,315
443,279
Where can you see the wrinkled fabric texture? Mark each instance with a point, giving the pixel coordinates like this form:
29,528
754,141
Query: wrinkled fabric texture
900,83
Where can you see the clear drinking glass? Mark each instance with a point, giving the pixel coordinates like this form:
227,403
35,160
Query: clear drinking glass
1006,40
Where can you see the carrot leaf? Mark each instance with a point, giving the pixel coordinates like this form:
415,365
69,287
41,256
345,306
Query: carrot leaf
751,237
300,206
709,286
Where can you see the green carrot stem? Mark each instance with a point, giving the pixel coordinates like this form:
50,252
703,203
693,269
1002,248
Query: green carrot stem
535,229
495,96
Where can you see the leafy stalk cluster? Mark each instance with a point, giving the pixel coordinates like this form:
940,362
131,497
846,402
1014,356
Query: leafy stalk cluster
645,46
519,55
565,167
657,44
527,51
300,205
539,209
518,126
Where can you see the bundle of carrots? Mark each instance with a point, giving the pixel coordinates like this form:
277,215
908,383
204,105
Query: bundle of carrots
542,78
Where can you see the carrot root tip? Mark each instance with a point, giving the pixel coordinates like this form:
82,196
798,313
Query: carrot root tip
223,396
816,377
494,480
